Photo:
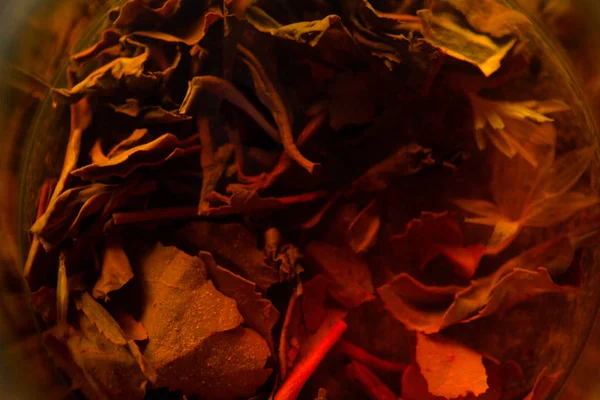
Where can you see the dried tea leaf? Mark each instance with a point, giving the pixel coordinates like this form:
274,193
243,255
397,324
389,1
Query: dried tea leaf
100,367
491,17
98,354
190,323
266,86
81,119
109,39
517,286
429,309
258,312
213,167
228,91
446,34
348,278
408,160
432,235
138,137
450,368
115,271
233,246
309,32
499,376
364,229
149,114
139,13
164,148
65,213
132,329
123,72
189,33
233,366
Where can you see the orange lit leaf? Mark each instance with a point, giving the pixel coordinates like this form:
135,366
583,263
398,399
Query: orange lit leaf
348,278
450,368
443,32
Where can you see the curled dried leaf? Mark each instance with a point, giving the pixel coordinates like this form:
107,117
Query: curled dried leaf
445,33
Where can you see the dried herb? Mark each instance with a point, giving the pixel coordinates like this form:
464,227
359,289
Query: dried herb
298,199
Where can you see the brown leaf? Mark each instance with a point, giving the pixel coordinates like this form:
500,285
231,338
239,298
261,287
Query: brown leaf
450,368
139,13
191,32
228,91
123,71
81,119
109,39
213,166
518,286
132,329
266,88
363,230
234,247
116,270
258,312
99,367
233,364
154,153
436,234
65,214
445,33
348,278
149,114
492,17
404,296
309,32
97,355
190,323
408,160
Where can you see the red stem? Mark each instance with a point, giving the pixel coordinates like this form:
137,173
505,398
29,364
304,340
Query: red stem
361,355
156,214
292,386
168,213
369,382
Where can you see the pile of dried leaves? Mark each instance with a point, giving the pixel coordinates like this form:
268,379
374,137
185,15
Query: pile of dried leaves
269,199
